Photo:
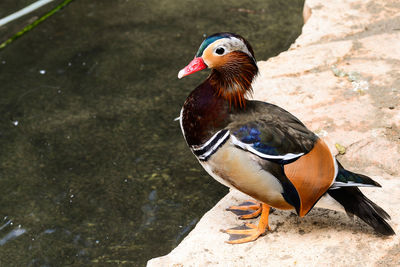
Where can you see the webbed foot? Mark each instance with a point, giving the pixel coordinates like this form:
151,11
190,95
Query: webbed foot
247,210
250,232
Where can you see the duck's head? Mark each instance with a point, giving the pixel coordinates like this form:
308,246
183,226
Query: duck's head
233,65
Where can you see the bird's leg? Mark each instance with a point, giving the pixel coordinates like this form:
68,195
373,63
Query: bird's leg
247,210
251,231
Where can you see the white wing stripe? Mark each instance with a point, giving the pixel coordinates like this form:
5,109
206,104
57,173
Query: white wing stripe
337,185
288,156
335,164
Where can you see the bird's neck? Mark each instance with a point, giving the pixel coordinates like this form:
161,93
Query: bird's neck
232,81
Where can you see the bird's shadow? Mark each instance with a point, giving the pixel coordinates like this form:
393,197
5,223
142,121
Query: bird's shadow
317,221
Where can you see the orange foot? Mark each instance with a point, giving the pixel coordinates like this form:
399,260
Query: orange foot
250,232
247,210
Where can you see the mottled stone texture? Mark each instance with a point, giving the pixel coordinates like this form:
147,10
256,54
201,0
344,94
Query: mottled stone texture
342,79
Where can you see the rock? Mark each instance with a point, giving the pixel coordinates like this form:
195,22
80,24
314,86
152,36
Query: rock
321,238
358,110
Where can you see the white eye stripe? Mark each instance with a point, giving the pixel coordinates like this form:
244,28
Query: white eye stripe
230,44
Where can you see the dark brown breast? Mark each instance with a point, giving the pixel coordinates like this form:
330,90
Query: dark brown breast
204,113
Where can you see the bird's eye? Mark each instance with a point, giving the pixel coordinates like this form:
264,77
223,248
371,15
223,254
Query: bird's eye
220,51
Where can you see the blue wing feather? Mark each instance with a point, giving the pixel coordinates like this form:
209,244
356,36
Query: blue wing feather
251,135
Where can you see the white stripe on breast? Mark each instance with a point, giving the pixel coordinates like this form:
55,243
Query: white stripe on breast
215,147
181,124
208,142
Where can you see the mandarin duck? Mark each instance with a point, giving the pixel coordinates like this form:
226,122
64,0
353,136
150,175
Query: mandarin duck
261,149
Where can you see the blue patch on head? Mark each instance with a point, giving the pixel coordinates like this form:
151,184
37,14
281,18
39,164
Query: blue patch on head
209,40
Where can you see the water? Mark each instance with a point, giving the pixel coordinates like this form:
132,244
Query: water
93,169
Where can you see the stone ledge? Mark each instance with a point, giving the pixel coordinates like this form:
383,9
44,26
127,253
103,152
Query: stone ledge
321,238
341,78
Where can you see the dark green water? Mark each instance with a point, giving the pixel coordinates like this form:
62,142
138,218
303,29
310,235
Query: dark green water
93,169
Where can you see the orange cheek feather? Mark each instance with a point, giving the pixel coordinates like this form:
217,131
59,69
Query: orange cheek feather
212,60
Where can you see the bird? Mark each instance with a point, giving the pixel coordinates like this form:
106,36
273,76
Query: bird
261,149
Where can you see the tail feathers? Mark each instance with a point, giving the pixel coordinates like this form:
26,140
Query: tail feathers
347,178
355,203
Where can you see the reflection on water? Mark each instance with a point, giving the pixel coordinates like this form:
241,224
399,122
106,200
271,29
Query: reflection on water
12,233
93,169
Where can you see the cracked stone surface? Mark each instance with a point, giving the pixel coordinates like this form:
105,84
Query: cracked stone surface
342,79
